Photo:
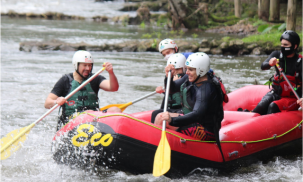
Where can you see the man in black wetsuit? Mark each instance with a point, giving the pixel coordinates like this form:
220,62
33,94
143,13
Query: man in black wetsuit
202,100
281,97
87,97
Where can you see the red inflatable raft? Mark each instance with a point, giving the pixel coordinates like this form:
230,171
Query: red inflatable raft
128,142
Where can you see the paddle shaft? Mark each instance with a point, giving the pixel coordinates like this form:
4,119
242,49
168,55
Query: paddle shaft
70,94
162,160
166,97
49,111
286,79
123,106
141,98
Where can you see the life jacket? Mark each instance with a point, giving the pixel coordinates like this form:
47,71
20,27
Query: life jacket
174,100
84,99
224,93
281,86
186,102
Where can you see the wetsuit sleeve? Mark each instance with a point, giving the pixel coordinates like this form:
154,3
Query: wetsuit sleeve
96,82
265,65
300,71
203,97
299,90
59,88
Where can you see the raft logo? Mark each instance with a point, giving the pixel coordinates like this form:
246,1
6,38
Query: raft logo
70,103
105,140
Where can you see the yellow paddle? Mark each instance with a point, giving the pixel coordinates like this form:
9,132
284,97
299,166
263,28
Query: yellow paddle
124,106
163,153
13,140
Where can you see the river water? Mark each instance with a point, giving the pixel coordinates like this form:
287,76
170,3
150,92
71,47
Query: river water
27,79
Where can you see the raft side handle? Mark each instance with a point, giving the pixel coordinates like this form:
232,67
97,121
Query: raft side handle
244,144
182,140
275,136
95,119
235,153
300,126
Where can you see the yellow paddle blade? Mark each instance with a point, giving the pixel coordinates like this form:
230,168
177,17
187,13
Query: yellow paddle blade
12,141
162,157
121,106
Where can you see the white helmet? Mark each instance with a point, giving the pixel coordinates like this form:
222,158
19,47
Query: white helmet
82,57
200,61
178,60
167,44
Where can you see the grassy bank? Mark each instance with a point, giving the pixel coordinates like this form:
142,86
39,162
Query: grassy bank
273,38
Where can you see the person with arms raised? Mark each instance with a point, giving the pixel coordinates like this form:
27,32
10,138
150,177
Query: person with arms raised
87,97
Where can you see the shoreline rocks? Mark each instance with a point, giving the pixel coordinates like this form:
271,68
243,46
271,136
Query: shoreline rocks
159,5
47,15
215,47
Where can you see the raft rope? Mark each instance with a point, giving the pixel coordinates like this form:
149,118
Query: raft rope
183,139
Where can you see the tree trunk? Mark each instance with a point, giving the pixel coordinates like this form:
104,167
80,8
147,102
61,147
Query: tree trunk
177,12
263,9
188,13
291,15
238,8
274,10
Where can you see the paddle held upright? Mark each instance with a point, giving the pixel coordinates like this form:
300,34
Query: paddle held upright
163,153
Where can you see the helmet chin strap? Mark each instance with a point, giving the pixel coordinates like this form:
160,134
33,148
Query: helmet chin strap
196,79
81,75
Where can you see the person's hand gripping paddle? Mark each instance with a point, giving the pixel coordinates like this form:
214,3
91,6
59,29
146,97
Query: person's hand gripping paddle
288,82
13,140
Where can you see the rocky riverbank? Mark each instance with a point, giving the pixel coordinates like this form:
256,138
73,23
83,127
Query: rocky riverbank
216,47
47,15
242,27
159,5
